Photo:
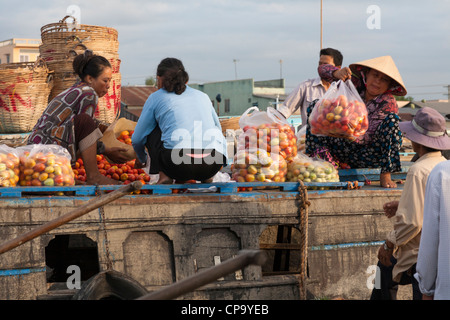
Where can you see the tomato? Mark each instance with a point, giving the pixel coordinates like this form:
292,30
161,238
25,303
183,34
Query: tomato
59,180
36,182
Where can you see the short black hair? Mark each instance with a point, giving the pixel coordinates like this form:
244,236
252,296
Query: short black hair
336,54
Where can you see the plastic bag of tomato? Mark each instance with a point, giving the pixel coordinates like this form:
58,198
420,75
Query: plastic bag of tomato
45,165
267,130
9,166
340,113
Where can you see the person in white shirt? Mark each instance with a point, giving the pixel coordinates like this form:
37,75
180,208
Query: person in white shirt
398,255
433,262
311,89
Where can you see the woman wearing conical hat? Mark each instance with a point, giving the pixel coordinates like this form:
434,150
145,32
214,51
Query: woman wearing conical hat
377,81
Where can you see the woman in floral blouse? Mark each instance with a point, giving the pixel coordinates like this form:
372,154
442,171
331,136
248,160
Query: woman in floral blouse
377,81
69,121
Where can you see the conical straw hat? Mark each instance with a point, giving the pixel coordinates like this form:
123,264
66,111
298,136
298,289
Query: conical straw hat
387,66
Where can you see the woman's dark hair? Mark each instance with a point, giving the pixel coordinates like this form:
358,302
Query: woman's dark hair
90,64
173,75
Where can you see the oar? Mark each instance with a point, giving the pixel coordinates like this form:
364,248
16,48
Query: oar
80,211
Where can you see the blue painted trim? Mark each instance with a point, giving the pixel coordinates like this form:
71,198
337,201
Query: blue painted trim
345,245
19,272
161,189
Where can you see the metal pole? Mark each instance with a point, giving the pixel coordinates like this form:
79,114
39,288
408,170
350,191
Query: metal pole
321,24
84,209
206,276
281,69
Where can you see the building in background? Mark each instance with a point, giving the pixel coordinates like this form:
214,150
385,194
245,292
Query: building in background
232,98
408,109
133,98
19,50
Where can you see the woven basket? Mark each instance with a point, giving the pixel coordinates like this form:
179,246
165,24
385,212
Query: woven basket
109,105
61,42
24,92
230,123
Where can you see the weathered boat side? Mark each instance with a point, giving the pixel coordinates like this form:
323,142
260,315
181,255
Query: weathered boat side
160,239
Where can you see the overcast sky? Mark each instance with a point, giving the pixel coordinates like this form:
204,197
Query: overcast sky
209,35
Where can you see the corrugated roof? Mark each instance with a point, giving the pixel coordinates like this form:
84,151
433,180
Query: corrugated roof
401,104
441,106
136,95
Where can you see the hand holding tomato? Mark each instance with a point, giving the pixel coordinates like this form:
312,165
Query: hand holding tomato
343,74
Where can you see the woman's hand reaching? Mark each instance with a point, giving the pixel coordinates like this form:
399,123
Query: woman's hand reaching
116,154
343,74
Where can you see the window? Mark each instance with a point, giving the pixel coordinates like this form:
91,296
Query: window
7,58
227,105
24,58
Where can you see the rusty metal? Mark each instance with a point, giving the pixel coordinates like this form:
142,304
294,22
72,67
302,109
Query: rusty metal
245,258
82,210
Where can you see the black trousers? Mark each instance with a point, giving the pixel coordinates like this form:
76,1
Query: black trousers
182,164
388,287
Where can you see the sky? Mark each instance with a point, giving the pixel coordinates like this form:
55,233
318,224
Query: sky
220,40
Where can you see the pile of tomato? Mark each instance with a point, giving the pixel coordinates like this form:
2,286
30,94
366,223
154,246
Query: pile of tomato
124,172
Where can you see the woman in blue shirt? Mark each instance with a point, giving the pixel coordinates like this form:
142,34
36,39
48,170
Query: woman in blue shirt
180,129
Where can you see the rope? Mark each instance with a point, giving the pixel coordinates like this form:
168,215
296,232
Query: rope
303,227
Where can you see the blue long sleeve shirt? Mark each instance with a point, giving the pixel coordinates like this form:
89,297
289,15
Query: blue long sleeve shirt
187,121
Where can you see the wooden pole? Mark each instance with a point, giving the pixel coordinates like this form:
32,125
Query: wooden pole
321,24
84,209
247,257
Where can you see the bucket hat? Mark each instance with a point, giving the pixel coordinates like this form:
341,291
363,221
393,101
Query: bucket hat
386,65
427,128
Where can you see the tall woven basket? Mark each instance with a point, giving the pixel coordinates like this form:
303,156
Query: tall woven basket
24,91
62,41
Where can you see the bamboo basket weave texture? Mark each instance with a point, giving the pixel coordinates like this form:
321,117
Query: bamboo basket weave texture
62,41
24,92
229,123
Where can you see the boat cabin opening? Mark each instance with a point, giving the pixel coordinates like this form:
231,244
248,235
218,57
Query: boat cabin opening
71,250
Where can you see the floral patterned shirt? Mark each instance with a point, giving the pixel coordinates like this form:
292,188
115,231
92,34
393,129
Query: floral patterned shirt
55,126
377,108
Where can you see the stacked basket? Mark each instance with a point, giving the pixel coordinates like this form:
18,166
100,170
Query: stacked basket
24,91
229,123
62,41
